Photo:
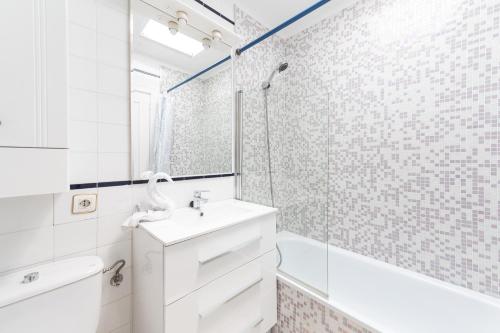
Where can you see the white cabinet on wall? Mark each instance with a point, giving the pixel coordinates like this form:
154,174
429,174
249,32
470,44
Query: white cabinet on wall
33,107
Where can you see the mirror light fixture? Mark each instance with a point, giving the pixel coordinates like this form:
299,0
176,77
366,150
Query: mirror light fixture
206,42
216,35
160,33
182,18
173,27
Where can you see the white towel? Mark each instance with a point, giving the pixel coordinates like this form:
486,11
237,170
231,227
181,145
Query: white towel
160,206
149,216
158,200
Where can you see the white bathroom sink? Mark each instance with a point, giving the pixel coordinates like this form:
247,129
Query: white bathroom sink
186,223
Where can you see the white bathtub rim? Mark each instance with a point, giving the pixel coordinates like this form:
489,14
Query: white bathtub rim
362,318
393,268
296,282
352,315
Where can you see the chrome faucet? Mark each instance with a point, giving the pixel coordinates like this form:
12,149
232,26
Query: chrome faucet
198,200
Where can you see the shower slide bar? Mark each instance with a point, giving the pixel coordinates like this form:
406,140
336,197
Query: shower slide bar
256,41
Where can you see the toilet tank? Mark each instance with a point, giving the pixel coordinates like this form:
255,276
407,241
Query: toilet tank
62,296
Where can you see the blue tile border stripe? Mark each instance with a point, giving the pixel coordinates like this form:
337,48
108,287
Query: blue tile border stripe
136,182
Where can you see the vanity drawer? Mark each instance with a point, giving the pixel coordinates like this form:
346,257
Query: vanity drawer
194,263
241,301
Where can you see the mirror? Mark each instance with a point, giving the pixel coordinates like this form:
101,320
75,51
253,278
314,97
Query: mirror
180,125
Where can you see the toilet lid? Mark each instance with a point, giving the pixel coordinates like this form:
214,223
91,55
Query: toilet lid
17,286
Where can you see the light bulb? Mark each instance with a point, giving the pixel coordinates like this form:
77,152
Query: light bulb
173,27
206,42
182,17
217,35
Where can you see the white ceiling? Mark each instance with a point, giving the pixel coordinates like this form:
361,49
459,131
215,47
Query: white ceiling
275,12
271,13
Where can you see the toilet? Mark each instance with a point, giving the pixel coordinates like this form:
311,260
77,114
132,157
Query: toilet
57,297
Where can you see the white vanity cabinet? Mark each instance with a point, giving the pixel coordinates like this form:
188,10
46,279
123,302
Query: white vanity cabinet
33,85
220,279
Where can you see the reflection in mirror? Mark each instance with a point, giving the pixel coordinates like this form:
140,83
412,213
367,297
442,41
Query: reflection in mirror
181,126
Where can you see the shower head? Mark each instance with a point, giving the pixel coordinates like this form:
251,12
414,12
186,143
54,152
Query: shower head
281,67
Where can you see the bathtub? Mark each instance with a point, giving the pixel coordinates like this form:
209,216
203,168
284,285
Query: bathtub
383,297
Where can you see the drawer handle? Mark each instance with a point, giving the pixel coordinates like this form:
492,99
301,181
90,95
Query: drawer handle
205,313
226,252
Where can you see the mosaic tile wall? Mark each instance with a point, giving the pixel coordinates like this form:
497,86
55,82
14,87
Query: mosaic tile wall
390,112
217,119
203,107
299,313
250,70
292,180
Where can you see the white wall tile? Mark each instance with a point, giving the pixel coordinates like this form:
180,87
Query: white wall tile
25,248
115,315
109,229
83,136
83,12
78,235
114,138
92,252
114,166
63,204
113,80
82,73
124,329
114,200
75,237
112,253
119,5
82,167
24,213
113,109
112,51
113,293
82,41
82,105
112,22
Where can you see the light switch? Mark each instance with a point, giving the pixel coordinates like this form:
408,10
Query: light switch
84,203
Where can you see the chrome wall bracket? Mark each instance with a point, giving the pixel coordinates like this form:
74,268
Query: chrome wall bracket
117,278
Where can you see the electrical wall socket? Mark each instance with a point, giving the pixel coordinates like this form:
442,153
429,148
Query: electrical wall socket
84,203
